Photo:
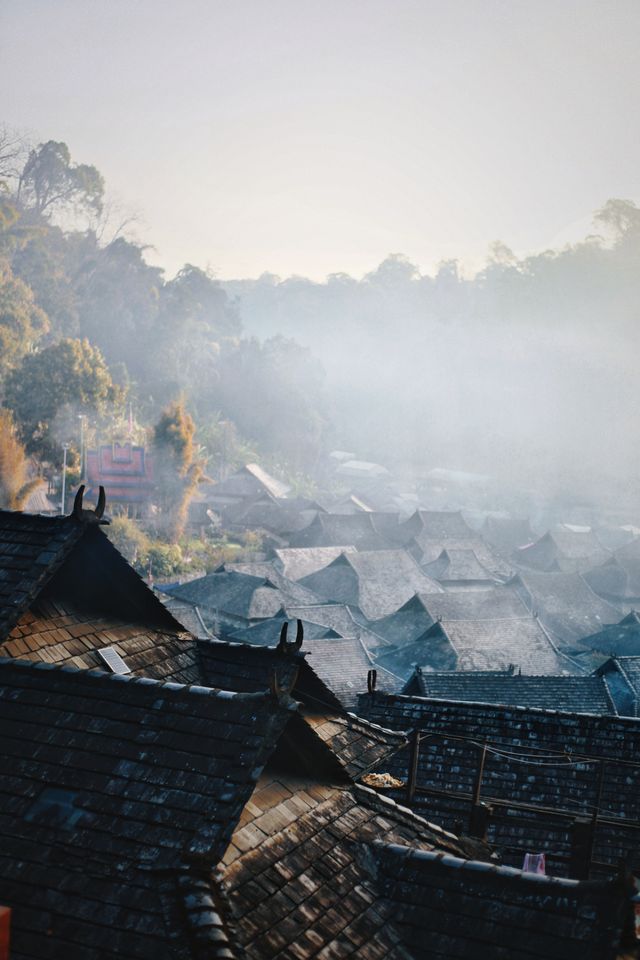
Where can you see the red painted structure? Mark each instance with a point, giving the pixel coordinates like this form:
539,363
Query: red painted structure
126,473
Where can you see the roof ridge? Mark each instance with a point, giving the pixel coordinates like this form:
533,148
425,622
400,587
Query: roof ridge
96,675
369,796
503,706
480,866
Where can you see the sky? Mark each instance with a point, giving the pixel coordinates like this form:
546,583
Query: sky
299,137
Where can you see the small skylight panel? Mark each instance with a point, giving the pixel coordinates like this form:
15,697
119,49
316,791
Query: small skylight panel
112,659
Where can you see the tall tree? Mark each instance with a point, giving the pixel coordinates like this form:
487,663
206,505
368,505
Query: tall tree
50,180
15,484
177,467
22,323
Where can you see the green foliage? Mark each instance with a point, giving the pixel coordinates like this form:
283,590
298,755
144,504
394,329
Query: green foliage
177,467
54,384
15,485
22,323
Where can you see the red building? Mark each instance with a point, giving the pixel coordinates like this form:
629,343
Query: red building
126,473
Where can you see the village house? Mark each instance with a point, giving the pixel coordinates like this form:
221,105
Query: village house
126,473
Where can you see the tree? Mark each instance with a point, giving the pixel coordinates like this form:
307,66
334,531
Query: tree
15,485
177,467
22,323
68,377
49,180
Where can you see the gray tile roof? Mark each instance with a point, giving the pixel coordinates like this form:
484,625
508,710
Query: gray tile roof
437,525
562,549
454,909
112,787
336,530
299,562
454,565
377,582
343,665
542,758
565,603
506,534
574,694
617,580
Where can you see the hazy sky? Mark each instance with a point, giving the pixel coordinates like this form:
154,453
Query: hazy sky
312,137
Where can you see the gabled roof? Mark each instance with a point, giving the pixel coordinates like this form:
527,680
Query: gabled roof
266,632
117,789
230,596
578,694
338,530
426,550
563,549
408,622
618,580
618,640
248,479
496,603
72,560
454,909
299,562
453,565
279,515
343,664
291,591
437,525
480,645
565,603
378,582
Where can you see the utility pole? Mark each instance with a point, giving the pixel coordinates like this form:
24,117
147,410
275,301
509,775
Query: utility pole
65,447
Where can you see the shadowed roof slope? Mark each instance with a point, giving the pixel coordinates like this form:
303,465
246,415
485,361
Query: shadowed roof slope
72,560
299,562
565,603
333,530
452,909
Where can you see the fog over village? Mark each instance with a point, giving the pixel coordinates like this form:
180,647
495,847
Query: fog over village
319,483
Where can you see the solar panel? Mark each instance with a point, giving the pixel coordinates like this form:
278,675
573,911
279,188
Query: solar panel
111,657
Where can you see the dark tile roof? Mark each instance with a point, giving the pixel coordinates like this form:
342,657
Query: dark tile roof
617,580
343,665
291,591
247,668
617,640
565,603
60,557
56,633
574,694
540,758
335,530
114,789
279,515
246,482
496,603
452,909
563,549
408,623
480,645
454,565
437,525
357,744
296,875
31,549
378,582
427,550
299,562
234,598
266,632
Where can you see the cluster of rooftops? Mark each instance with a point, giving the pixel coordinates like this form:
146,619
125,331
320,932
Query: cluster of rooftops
254,776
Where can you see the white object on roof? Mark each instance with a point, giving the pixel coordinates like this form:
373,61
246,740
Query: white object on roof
113,660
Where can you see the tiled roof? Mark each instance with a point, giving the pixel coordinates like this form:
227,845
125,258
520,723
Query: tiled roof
378,582
617,580
343,665
113,789
63,558
618,640
562,549
280,515
248,480
437,525
299,562
480,645
426,550
496,603
247,668
336,530
266,632
565,603
54,632
357,744
296,874
452,909
232,597
31,549
408,623
577,694
458,565
291,591
535,759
